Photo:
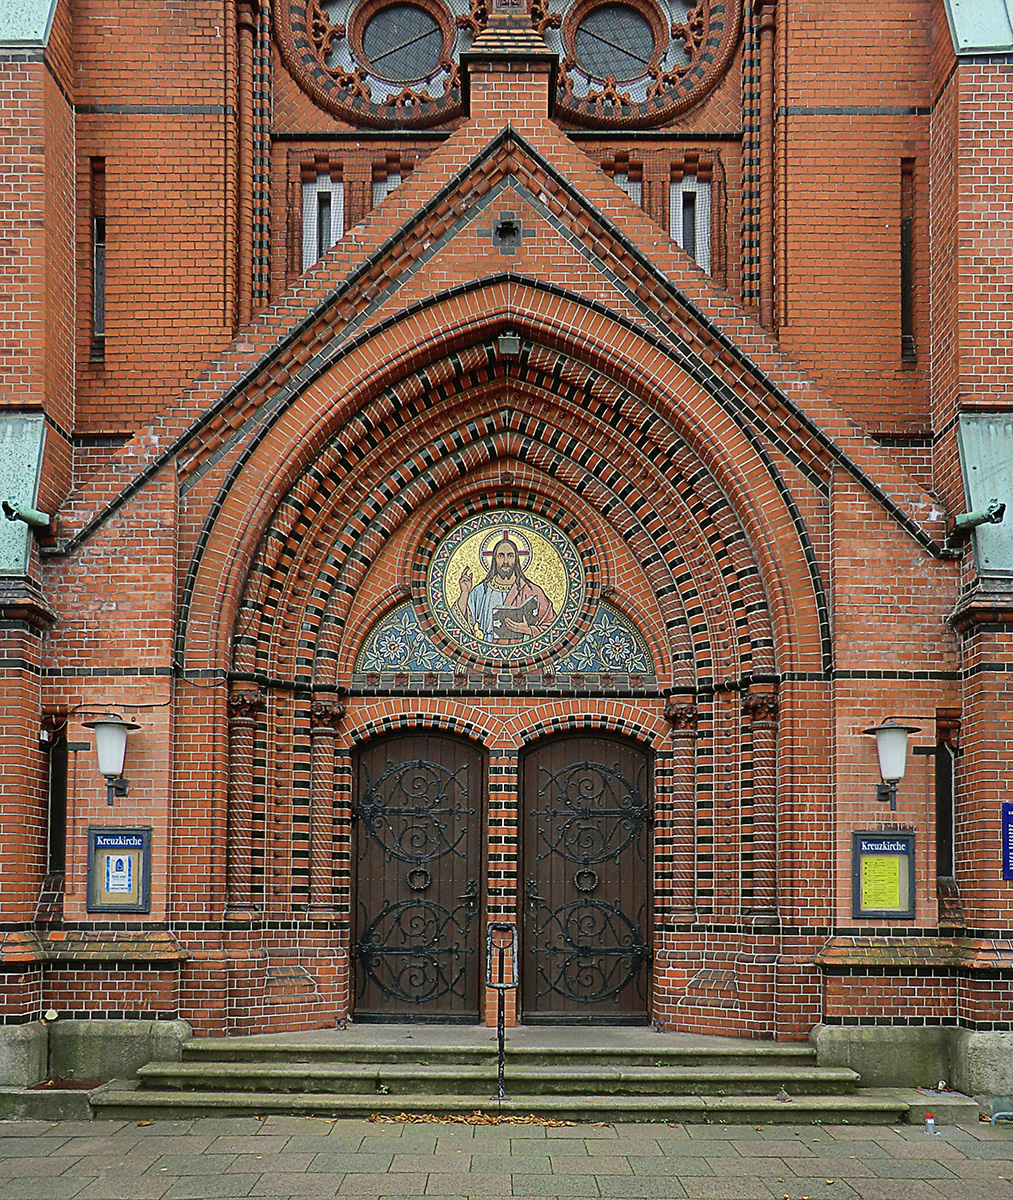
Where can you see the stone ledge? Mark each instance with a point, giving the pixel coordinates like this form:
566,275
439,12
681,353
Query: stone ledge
943,953
27,948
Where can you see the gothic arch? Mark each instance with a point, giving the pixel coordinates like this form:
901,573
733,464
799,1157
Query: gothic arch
330,412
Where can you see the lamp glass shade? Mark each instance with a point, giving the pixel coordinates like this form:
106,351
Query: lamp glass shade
111,743
891,744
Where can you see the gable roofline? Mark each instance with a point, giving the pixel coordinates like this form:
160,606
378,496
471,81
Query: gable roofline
508,135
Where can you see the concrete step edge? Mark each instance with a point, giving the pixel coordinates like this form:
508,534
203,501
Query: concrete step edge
230,1047
885,1101
484,1071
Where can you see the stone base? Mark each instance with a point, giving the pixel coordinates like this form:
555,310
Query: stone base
889,1055
100,1050
983,1064
23,1054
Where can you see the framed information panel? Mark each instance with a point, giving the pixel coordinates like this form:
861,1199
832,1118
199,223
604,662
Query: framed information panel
1007,839
119,869
882,874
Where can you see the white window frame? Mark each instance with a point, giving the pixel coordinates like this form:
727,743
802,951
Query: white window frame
313,190
701,192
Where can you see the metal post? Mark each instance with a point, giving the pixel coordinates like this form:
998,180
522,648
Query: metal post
501,1029
114,788
501,937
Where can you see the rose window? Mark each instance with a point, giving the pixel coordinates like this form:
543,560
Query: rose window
396,63
637,63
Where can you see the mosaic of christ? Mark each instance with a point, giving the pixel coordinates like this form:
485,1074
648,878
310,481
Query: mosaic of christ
504,582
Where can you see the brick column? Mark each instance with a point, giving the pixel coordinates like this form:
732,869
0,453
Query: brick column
760,710
326,714
23,766
983,771
246,22
765,10
245,706
682,831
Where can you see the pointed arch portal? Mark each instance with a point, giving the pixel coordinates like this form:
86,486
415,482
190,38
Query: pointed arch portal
662,592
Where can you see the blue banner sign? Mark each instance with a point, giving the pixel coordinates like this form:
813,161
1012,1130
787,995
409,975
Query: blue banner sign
1007,841
119,841
885,845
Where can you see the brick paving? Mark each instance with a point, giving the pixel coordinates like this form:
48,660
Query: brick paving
308,1158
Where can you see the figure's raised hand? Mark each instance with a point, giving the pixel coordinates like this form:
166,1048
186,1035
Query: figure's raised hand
466,582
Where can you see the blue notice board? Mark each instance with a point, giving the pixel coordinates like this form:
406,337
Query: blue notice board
1007,840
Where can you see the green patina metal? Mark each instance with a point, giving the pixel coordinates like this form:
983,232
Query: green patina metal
22,438
26,23
981,26
986,461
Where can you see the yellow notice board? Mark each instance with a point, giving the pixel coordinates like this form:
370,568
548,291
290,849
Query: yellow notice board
883,874
881,881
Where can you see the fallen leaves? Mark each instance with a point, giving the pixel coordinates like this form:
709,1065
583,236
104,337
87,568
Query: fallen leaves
475,1118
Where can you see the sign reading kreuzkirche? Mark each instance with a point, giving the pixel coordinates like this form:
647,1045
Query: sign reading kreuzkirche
119,869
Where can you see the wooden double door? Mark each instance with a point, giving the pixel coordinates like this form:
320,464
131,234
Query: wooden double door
421,864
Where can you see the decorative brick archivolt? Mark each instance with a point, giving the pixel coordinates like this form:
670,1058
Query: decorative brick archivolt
573,715
677,414
337,588
376,719
291,544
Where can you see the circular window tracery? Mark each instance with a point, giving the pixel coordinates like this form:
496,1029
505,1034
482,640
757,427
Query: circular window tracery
636,63
614,41
396,62
402,42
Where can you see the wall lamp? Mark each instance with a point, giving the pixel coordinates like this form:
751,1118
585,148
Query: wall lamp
111,744
966,523
14,510
891,745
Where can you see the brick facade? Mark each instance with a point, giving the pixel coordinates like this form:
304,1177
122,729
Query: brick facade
258,464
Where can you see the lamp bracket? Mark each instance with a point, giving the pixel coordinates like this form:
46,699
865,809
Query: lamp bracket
886,793
115,787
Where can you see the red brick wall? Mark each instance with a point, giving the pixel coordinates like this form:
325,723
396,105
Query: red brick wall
155,110
854,109
919,998
100,989
745,548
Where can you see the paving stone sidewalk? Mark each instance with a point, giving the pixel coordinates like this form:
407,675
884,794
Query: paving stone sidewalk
305,1158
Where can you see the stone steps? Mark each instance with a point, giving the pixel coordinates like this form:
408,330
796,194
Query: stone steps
272,1050
623,1077
406,1079
570,1073
129,1100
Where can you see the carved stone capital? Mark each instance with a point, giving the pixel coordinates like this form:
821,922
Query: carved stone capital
760,706
681,715
326,714
245,703
246,14
766,13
